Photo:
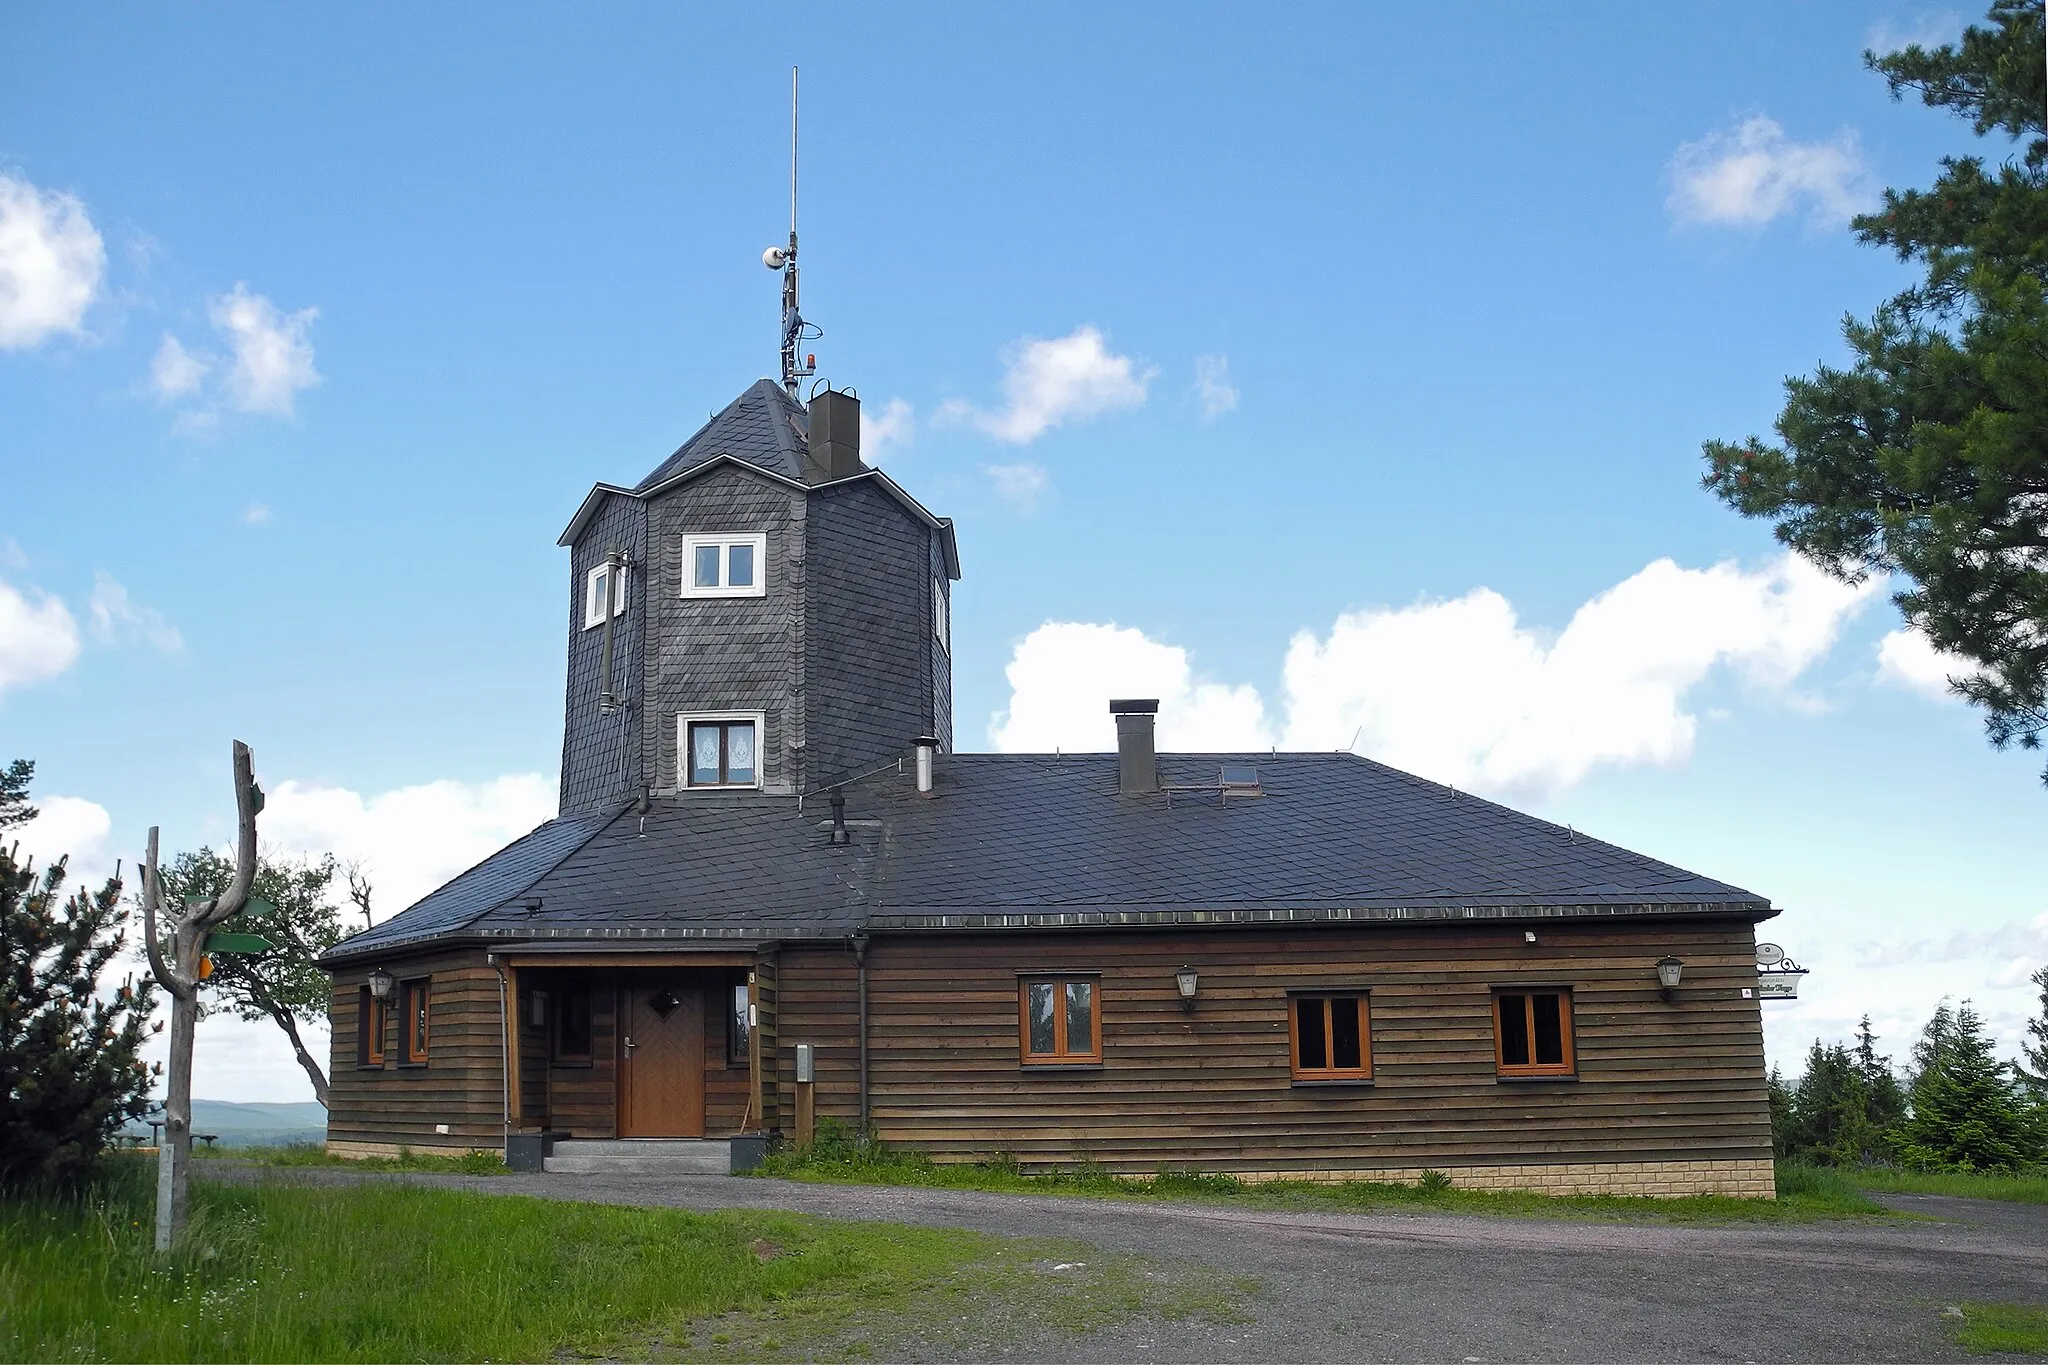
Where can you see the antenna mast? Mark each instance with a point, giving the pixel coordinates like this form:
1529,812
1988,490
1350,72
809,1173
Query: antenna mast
794,328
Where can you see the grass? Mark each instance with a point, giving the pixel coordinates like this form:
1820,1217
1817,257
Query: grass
476,1161
277,1271
1804,1193
2003,1329
2024,1187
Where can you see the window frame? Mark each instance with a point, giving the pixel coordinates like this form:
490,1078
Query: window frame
739,1026
416,998
1332,1074
1567,1069
372,1018
725,541
1060,1058
593,614
558,1052
942,615
686,719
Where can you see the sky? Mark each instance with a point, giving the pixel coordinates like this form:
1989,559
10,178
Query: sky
1337,374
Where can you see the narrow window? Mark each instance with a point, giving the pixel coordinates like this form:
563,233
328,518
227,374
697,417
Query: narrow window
739,1032
725,566
572,1025
371,1017
1532,1032
721,753
942,620
413,1021
1332,1038
1059,1020
600,585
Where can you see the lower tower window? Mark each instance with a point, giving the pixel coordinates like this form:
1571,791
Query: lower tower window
721,753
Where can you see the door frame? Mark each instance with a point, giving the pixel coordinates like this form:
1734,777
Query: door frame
626,1013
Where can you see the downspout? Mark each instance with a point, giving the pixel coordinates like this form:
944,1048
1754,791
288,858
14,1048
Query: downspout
504,1053
860,961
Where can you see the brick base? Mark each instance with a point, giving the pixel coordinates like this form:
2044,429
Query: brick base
355,1151
1747,1179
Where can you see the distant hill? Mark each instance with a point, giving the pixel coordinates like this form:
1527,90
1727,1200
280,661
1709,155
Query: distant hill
256,1125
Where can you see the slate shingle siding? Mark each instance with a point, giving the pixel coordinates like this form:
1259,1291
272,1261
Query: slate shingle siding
601,755
868,667
942,657
725,653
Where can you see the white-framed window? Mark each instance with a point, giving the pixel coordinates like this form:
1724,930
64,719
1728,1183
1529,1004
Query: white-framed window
725,566
719,749
942,616
596,585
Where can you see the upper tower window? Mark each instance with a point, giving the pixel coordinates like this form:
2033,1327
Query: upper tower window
942,617
601,583
725,566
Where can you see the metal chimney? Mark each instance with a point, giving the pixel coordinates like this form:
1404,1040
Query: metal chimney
834,448
927,746
1137,761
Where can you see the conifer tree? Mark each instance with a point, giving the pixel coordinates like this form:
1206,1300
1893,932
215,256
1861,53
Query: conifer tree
14,806
1884,1098
2035,1045
1925,458
1967,1114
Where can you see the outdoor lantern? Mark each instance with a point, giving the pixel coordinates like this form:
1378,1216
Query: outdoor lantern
1184,982
1667,972
381,983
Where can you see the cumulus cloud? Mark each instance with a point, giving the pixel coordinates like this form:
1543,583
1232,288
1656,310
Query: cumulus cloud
175,372
1752,173
51,262
118,618
1063,674
38,636
412,839
1020,485
1929,29
1461,691
889,429
1049,382
1908,659
1213,387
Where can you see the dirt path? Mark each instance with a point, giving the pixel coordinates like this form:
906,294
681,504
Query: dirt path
1457,1287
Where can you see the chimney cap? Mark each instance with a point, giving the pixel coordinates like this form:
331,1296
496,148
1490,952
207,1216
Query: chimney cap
926,741
1145,706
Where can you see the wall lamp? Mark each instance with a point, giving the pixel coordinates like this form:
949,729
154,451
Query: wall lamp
381,983
1668,972
1185,982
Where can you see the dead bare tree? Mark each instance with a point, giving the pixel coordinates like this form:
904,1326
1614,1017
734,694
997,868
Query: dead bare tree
359,890
174,959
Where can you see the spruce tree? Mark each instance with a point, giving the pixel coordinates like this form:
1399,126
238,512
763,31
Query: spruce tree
1884,1098
71,1071
1967,1114
2035,1045
14,806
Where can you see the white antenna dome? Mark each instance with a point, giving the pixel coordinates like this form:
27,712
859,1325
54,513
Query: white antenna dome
775,257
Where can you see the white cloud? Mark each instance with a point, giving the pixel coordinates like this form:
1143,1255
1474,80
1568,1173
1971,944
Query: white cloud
891,428
412,839
38,637
1046,383
12,556
176,372
1461,691
1213,386
1753,173
1908,659
1928,29
1020,485
1063,674
118,618
68,826
255,514
272,353
51,261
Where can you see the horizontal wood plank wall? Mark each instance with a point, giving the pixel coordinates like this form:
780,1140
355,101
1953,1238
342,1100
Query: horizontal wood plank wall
583,1096
816,1003
728,1087
1657,1080
461,1084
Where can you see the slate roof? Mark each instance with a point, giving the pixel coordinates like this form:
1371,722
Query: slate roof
763,426
1034,841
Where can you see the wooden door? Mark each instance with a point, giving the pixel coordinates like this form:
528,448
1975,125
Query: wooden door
662,1078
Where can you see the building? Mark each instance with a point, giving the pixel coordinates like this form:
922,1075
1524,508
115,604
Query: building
1305,965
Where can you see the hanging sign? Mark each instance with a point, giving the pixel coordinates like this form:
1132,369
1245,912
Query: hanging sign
1777,976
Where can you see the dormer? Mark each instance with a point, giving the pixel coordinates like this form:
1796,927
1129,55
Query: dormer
782,619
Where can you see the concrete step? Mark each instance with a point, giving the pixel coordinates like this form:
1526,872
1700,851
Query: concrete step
641,1156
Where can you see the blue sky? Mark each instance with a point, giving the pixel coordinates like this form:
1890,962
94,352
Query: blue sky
1266,338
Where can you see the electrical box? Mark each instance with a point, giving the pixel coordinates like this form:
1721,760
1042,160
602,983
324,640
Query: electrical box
806,1067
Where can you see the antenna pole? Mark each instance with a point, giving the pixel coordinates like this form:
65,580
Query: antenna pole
792,320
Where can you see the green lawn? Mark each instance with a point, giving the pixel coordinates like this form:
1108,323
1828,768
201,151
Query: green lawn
1804,1193
477,1161
387,1272
2003,1329
2029,1187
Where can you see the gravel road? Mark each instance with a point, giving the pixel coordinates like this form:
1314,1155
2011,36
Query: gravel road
1410,1286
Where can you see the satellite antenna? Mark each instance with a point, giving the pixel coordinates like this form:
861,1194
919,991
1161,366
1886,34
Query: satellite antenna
794,328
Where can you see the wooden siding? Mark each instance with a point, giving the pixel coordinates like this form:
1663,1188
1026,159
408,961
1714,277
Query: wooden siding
462,1083
1656,1080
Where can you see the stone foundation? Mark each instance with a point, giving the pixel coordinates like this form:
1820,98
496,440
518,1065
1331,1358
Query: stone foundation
355,1151
1746,1179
